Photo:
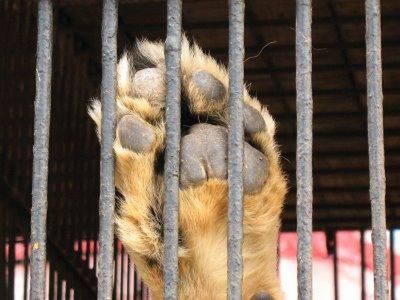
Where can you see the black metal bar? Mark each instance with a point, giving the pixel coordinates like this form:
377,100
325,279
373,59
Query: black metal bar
95,254
108,121
3,259
67,291
392,266
26,267
335,266
235,149
51,282
129,278
376,145
304,105
7,256
115,270
136,284
173,132
41,149
59,286
362,249
11,260
122,269
142,290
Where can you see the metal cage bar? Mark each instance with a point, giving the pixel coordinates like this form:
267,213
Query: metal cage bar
41,149
392,265
108,123
304,106
362,252
376,145
235,148
172,157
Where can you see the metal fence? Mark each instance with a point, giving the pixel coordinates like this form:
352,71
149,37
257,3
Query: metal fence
235,157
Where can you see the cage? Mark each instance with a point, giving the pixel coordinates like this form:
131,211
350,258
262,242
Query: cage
346,166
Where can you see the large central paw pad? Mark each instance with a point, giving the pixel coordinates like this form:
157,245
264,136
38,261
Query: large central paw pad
204,155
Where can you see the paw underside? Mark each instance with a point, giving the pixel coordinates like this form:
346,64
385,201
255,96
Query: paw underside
140,141
204,123
205,136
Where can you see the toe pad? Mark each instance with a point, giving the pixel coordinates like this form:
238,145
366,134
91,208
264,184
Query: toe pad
252,120
134,134
209,86
150,84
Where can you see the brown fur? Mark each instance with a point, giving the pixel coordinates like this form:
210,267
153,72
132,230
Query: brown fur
203,209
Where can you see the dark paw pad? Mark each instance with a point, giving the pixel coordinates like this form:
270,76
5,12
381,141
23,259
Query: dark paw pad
134,134
209,86
255,169
261,296
252,120
204,156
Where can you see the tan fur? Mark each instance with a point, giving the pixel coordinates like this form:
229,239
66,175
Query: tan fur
203,209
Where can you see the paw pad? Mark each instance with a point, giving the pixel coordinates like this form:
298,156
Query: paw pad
204,155
262,296
150,84
252,120
209,86
134,134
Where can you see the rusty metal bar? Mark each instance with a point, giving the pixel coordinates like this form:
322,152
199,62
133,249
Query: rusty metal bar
304,107
26,266
392,265
41,149
335,267
235,149
173,133
108,121
362,249
376,145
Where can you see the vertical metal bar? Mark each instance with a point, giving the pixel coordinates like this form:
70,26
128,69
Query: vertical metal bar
335,266
235,149
11,260
59,286
67,291
7,258
41,149
392,266
122,276
51,281
26,267
3,242
95,254
142,288
376,145
171,175
136,284
108,120
129,279
116,242
362,249
304,106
